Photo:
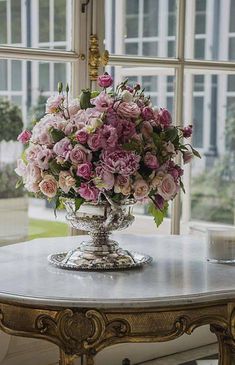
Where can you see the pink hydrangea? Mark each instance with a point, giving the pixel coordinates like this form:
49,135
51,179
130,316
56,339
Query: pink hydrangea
89,192
120,162
24,136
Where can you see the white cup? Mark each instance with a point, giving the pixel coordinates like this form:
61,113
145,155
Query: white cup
221,245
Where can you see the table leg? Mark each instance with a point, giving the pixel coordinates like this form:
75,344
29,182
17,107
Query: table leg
90,360
66,359
226,347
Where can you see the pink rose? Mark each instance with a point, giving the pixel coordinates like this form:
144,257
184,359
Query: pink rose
80,119
66,181
187,156
168,187
33,172
146,129
95,141
32,152
63,148
88,192
102,102
105,80
85,170
24,136
141,189
120,162
164,117
147,113
48,186
122,185
151,161
128,110
82,136
69,128
104,179
54,103
79,155
187,131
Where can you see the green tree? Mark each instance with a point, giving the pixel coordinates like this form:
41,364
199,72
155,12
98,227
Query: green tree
11,123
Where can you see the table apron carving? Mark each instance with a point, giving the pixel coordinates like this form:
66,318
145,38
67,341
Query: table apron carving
86,331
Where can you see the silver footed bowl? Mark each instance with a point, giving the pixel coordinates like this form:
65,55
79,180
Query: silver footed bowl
100,252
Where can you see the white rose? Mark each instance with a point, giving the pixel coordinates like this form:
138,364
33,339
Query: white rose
127,96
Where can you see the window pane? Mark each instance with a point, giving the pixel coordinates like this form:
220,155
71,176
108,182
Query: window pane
44,15
44,77
150,16
60,20
3,22
199,83
15,21
141,20
210,26
60,74
16,78
198,108
3,75
231,83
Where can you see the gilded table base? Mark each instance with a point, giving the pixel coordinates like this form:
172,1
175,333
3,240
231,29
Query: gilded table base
85,332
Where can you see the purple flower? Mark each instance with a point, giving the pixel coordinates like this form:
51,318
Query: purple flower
82,136
95,141
151,161
102,102
79,155
147,113
105,179
109,135
164,117
105,80
120,161
187,131
159,201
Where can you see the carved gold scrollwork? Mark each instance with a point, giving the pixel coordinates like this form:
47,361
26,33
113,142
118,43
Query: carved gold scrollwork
95,58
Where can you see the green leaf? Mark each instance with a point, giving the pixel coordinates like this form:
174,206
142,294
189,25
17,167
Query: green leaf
171,134
182,186
55,167
158,214
19,183
156,139
195,152
132,146
94,93
56,134
78,203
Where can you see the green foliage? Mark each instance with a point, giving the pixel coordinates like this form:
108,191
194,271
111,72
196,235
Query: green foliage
8,182
11,123
158,214
56,134
78,203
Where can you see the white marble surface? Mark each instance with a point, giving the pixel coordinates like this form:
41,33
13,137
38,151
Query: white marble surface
179,274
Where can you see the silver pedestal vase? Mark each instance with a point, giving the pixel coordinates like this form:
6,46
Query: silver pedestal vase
100,252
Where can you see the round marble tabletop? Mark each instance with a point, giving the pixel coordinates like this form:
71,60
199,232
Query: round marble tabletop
179,274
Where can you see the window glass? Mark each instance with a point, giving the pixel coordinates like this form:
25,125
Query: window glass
59,74
3,22
16,21
232,48
44,78
44,16
199,48
16,78
232,16
3,75
198,108
231,83
199,83
146,24
60,20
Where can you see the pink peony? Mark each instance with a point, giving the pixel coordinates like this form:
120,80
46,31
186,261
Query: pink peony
168,187
95,141
54,103
141,189
187,156
120,162
43,158
79,155
102,102
88,192
151,161
85,170
63,148
32,152
66,181
33,173
24,136
104,179
128,110
82,136
105,80
147,113
48,186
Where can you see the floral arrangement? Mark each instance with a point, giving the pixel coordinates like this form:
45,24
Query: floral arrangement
105,145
